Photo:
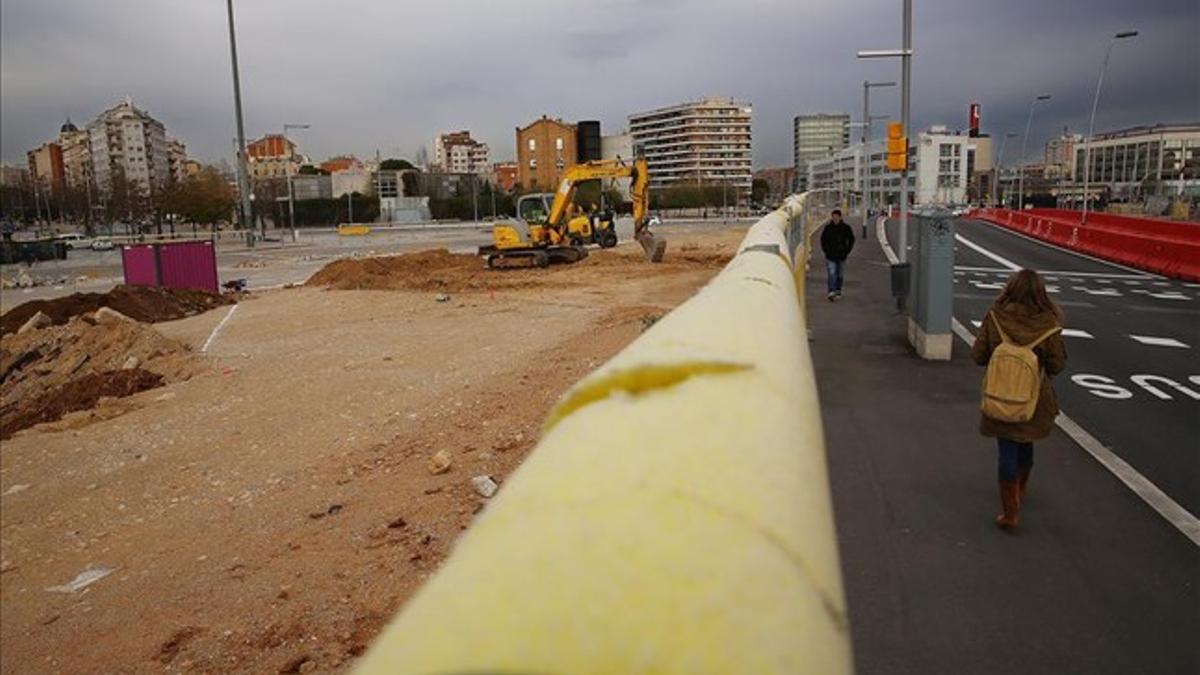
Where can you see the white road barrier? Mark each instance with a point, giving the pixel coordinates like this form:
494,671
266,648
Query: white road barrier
674,518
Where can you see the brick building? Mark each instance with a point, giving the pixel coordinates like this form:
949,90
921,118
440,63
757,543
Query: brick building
545,148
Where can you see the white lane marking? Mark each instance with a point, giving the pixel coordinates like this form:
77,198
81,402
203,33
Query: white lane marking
1098,275
1109,292
1169,295
1012,266
991,270
987,286
881,237
1076,333
1192,285
213,335
1051,278
1161,283
1053,289
975,323
1140,273
1159,341
1104,281
1133,283
1158,500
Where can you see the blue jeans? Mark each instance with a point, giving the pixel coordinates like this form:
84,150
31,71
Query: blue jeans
1013,456
835,268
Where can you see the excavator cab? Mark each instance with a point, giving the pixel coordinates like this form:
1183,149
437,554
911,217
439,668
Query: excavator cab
550,228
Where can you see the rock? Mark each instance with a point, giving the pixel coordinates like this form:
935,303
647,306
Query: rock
38,321
109,316
23,280
485,486
131,363
442,297
440,462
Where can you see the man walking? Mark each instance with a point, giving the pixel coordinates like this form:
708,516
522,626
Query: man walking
837,239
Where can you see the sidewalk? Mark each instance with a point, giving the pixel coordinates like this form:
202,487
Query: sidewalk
1095,581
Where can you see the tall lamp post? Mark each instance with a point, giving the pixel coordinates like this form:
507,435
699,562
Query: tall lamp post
1024,142
1087,142
866,138
999,166
291,194
905,55
243,179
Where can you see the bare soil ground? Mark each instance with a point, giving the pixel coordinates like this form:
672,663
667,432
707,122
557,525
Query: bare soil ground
273,511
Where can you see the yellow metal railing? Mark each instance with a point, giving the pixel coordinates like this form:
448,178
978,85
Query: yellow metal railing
674,518
350,229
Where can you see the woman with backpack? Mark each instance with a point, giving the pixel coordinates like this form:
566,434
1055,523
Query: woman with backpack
1020,341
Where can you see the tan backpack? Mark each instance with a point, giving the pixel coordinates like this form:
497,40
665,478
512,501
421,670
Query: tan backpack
1013,379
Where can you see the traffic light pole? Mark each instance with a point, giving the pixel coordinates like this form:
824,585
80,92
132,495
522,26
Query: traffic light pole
905,87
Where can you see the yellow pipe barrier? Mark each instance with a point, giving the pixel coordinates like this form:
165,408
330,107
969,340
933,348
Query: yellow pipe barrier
674,518
349,230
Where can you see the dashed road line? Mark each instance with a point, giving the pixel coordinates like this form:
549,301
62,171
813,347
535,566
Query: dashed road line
1154,341
1077,333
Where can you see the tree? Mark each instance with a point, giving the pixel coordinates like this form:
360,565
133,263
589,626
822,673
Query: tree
394,164
310,170
205,197
759,189
422,158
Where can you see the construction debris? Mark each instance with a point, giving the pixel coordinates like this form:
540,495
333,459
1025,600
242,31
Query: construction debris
38,320
485,486
440,463
82,580
142,303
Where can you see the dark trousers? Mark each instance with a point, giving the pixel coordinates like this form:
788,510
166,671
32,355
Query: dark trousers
1013,456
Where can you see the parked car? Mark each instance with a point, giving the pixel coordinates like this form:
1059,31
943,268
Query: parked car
102,244
74,240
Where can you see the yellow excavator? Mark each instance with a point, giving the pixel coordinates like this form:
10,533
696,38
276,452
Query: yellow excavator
542,233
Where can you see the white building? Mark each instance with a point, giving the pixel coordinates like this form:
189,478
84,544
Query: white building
457,152
940,170
618,146
705,141
349,181
126,140
1159,160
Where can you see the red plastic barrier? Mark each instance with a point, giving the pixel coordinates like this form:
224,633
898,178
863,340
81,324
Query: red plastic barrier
1168,248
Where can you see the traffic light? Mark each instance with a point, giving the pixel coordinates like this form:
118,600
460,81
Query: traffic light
897,148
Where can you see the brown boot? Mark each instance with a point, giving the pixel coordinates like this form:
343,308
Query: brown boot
1023,479
1010,500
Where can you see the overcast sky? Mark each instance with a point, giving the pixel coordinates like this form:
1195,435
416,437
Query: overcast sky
388,76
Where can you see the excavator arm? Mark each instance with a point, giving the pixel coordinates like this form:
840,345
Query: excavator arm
639,191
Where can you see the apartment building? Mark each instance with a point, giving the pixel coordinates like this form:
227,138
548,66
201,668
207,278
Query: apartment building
457,152
705,141
817,136
272,156
504,176
76,155
46,166
176,159
126,141
545,148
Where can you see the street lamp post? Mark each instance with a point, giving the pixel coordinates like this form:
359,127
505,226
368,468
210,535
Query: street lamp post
905,55
243,179
999,166
866,138
291,195
1021,161
1087,142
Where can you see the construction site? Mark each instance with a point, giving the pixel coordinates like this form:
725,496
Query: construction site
256,482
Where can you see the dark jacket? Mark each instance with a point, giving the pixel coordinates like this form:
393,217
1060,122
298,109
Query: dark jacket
1023,325
837,239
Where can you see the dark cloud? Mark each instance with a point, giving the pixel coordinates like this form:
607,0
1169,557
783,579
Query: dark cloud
388,76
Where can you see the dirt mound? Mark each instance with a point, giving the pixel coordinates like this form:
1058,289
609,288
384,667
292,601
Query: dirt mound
443,271
143,303
38,366
80,394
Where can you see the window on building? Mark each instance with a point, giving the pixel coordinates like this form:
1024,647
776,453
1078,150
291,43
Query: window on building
533,162
532,144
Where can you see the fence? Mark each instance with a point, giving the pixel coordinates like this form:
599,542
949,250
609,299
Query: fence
674,518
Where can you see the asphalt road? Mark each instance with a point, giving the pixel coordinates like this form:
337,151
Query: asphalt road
1133,344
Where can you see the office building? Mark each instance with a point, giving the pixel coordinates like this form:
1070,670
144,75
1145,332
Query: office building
942,165
545,148
705,141
127,143
1161,160
817,136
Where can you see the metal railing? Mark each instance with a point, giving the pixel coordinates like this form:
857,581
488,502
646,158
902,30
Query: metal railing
674,518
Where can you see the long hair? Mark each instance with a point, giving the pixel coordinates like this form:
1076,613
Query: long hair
1027,288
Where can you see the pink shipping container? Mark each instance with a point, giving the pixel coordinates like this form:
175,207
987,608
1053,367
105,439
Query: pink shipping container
177,264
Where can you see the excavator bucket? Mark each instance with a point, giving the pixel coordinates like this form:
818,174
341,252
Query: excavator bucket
655,247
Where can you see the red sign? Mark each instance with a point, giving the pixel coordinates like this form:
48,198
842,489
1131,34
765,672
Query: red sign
974,120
